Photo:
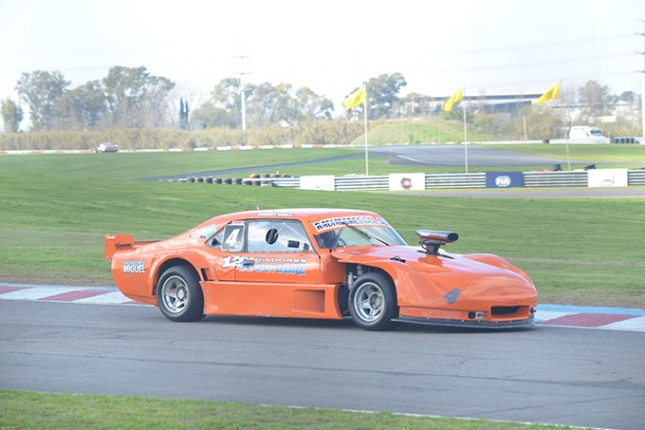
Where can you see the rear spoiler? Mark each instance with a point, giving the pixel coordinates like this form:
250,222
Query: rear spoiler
114,243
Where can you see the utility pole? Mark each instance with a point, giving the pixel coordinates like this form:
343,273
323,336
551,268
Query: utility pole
642,72
243,95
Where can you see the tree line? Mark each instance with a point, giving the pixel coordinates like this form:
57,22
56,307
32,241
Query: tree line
132,98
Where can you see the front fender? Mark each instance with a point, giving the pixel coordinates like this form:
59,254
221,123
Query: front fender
412,287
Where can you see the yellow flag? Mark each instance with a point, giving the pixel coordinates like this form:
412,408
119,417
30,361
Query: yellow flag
553,93
354,99
456,97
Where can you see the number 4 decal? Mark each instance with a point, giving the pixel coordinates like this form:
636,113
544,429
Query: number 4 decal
233,238
451,296
230,240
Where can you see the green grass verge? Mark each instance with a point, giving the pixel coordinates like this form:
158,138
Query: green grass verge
594,153
150,164
402,132
67,411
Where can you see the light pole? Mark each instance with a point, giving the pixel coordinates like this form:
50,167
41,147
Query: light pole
243,95
642,77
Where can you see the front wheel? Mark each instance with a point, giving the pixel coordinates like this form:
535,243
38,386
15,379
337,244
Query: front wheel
372,302
179,296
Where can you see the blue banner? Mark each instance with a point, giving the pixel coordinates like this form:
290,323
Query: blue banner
504,179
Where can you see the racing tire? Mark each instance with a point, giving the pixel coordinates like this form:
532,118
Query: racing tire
372,302
179,296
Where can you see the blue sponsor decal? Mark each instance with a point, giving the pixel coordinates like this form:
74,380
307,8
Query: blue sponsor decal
281,266
504,179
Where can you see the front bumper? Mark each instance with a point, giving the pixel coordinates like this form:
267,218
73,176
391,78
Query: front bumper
467,323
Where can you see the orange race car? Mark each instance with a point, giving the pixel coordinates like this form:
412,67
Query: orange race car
320,263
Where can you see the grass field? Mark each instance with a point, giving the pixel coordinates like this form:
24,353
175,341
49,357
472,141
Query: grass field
55,209
70,412
605,153
393,132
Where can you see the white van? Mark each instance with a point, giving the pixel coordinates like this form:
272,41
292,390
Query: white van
582,132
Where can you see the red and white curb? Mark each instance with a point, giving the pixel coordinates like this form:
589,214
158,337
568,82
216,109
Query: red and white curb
547,315
591,317
94,295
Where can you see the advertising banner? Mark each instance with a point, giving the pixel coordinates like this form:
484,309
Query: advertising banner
325,183
407,181
607,177
504,179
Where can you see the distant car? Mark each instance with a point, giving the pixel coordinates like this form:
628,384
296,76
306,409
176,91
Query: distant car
583,132
320,263
107,147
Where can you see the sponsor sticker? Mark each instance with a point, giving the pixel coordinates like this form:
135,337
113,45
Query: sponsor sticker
281,266
278,214
203,233
134,266
330,223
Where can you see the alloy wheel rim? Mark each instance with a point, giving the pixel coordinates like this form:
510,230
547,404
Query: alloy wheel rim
175,294
369,302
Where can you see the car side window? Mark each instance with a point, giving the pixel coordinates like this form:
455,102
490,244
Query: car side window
277,236
230,238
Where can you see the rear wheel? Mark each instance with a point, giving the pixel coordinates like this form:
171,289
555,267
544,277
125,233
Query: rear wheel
372,302
179,296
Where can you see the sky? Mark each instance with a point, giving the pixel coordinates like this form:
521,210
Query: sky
490,47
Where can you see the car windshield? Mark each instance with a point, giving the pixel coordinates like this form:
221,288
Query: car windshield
359,236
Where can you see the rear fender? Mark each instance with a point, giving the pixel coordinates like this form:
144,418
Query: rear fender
196,261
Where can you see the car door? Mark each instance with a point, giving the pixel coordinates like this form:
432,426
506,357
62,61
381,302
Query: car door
278,252
277,273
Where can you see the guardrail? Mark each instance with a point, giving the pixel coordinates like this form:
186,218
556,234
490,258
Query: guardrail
456,180
351,183
576,178
635,177
555,179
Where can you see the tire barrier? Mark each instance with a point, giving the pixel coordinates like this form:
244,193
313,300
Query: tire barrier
623,140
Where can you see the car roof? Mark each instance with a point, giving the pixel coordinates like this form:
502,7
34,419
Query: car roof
304,213
308,215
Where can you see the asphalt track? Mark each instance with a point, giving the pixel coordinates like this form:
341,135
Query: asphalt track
455,155
547,374
414,155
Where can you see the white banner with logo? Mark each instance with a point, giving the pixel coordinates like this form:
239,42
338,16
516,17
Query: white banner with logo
325,183
607,177
407,181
